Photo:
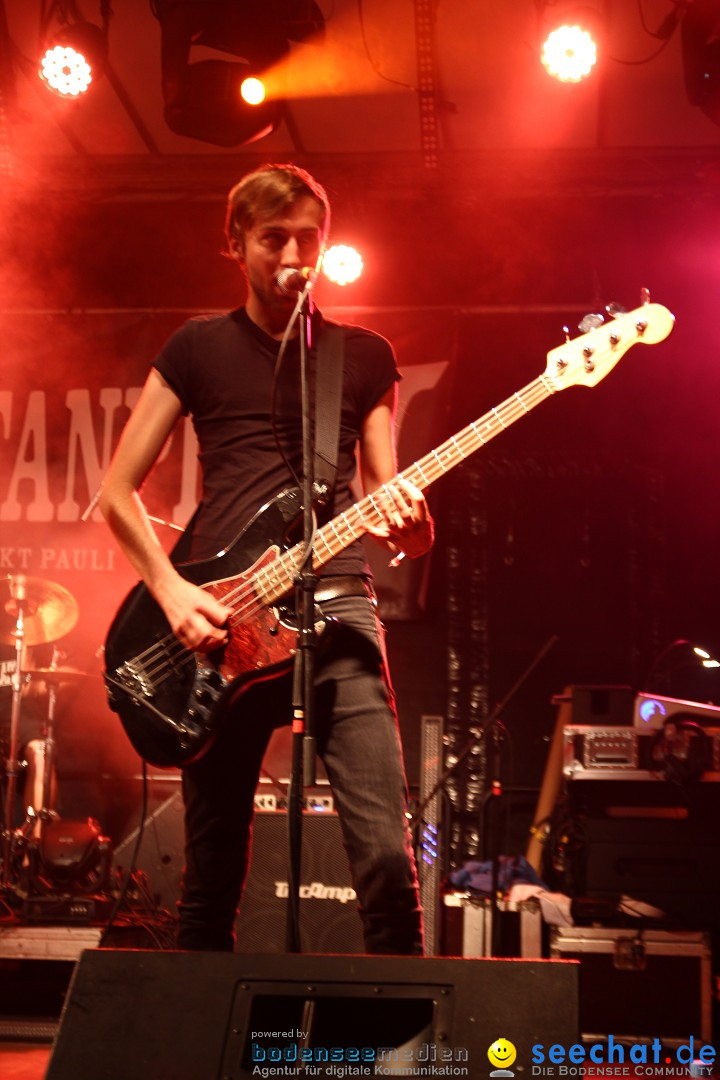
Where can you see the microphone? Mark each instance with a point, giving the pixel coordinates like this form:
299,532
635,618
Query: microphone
291,281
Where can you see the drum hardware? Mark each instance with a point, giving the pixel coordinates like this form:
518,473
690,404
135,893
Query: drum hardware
32,612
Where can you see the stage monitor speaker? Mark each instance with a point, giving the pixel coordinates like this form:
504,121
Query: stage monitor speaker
206,1016
329,922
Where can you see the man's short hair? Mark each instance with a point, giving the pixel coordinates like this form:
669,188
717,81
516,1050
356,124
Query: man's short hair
270,190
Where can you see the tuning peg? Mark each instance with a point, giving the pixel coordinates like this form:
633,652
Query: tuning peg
590,322
615,310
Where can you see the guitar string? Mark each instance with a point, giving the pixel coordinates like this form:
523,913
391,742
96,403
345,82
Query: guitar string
166,653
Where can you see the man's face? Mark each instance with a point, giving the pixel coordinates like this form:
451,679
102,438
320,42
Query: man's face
292,239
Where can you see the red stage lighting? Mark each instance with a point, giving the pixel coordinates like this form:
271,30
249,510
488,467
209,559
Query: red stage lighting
74,57
570,45
252,90
203,99
342,265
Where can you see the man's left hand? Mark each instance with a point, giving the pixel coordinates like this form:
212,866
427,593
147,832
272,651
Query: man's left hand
407,527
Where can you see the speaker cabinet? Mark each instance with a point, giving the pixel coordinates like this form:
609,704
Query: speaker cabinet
329,922
201,1016
649,840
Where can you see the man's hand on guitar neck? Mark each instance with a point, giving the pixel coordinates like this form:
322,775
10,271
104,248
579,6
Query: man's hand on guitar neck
196,618
408,527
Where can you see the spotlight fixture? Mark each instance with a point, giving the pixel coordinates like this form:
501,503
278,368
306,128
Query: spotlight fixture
209,106
252,90
207,99
342,264
570,45
75,52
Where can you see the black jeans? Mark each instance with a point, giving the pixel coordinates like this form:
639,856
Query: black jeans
359,744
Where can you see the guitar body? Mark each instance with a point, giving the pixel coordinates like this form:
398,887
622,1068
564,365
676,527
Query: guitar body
170,700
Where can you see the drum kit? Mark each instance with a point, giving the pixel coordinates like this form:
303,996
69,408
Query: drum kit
34,611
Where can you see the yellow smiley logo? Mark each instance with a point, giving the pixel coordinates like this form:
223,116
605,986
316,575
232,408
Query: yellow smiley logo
502,1053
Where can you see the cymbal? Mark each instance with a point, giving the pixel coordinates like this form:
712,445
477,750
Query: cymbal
50,611
57,675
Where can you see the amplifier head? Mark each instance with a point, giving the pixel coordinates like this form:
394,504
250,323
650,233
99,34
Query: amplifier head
651,711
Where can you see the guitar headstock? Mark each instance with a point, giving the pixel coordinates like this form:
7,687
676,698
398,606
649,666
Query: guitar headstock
587,359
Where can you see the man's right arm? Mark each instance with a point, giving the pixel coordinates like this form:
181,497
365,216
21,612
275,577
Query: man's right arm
196,618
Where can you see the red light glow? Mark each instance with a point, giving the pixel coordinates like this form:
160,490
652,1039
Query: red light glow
569,53
342,265
66,71
252,91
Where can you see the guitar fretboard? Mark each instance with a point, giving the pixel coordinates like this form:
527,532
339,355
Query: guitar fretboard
278,578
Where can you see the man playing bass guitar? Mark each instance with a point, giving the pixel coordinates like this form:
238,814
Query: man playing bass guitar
221,371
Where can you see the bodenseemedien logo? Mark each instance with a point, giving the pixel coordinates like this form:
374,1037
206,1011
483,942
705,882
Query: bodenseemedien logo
502,1054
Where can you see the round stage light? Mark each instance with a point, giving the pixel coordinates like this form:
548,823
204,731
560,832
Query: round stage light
569,53
342,264
74,58
66,71
252,91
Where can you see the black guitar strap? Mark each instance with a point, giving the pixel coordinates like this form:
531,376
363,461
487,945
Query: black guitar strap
180,552
329,365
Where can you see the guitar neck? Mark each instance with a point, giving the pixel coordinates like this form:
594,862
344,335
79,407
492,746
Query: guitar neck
339,533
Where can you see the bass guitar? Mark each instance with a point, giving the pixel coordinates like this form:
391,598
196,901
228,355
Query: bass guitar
170,700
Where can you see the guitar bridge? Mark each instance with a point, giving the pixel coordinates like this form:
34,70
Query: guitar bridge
135,680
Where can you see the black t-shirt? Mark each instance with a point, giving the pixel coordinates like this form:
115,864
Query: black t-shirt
221,368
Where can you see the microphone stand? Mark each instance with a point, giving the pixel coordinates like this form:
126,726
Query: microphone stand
303,723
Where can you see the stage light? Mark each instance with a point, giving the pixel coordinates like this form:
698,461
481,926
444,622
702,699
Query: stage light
569,53
203,99
74,57
252,90
569,49
342,265
706,659
210,107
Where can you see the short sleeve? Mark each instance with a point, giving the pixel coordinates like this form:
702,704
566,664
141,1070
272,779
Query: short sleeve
371,369
175,363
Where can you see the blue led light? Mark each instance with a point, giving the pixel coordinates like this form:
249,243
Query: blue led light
649,708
